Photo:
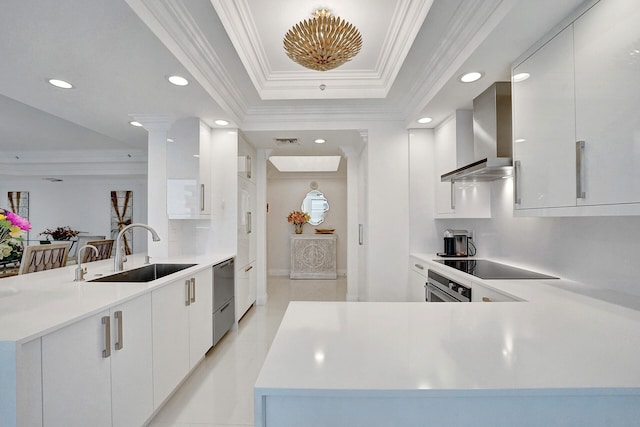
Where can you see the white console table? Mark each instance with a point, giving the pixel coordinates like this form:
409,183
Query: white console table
313,256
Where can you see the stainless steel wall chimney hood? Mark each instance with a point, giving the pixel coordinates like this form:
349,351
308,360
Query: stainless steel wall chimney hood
492,137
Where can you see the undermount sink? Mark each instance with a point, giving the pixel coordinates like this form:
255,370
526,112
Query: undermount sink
147,273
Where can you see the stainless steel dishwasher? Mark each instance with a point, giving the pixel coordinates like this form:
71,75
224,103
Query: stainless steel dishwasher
224,311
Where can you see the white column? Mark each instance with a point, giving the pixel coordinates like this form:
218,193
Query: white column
353,163
157,126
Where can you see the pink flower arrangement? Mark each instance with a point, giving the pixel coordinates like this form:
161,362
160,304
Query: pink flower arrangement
12,230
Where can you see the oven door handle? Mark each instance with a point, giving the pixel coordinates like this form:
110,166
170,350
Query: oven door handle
442,295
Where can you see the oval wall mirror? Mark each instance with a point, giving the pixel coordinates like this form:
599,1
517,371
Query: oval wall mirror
315,204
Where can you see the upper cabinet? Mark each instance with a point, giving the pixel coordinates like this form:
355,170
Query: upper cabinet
607,62
454,148
189,170
576,127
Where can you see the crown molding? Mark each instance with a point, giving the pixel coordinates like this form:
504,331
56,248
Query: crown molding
406,22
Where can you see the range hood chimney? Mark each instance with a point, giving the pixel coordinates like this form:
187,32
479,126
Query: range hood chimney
492,136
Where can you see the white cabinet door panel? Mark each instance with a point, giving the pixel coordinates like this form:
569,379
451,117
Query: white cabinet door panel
76,380
170,320
607,57
544,127
201,316
131,373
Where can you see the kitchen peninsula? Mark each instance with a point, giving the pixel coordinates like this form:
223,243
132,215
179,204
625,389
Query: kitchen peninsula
81,353
554,358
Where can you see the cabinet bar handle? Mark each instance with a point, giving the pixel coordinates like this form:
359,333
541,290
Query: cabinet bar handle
119,345
248,222
580,194
202,197
247,163
225,307
453,195
420,266
106,321
193,289
248,268
187,284
516,182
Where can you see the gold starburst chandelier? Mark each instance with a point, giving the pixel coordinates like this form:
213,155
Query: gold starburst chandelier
323,42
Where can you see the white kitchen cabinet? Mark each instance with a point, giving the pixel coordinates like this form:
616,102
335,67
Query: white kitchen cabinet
131,374
101,365
575,119
246,279
170,320
607,63
480,293
200,316
417,281
454,148
543,127
189,170
182,330
76,374
246,289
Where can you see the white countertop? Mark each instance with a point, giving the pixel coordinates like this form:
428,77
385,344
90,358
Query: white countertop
556,341
35,304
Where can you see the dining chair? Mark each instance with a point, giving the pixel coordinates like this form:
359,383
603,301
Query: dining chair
44,257
82,241
104,247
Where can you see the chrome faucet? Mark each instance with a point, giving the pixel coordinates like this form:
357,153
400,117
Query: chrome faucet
80,272
120,257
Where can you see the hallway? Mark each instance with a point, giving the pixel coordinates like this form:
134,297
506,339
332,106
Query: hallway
219,392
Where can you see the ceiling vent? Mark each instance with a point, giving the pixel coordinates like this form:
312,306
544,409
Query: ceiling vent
286,142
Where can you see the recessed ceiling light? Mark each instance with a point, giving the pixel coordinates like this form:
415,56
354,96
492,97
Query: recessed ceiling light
320,141
178,80
221,122
425,120
170,140
60,83
470,77
136,124
520,77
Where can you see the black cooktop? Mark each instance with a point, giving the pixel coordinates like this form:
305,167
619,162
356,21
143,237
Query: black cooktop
491,270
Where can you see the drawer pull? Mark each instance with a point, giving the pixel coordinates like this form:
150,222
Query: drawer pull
420,266
248,268
225,307
486,299
119,345
106,321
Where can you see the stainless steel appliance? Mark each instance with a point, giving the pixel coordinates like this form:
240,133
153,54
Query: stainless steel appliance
490,270
224,309
492,137
456,243
442,289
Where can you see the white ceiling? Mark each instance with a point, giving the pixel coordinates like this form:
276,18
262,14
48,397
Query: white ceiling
117,53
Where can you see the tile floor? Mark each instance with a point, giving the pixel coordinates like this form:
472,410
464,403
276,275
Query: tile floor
219,392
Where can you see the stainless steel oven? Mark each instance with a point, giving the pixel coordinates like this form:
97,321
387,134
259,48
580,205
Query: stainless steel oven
442,289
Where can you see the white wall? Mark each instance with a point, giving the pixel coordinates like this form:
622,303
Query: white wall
285,193
83,203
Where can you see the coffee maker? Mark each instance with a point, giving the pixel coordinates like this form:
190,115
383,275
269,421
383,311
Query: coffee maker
456,243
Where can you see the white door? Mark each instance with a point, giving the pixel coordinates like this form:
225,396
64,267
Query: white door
201,316
131,373
544,127
607,56
169,313
76,381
